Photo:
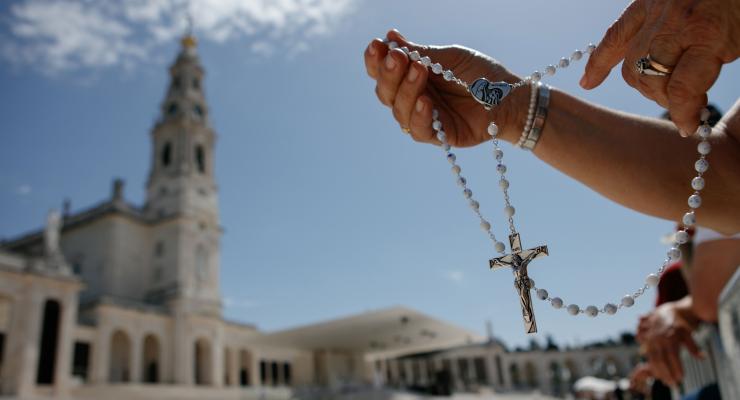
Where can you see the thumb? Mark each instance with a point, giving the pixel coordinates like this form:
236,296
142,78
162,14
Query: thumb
395,36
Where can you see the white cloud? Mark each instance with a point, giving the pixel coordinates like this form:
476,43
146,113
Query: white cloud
230,302
62,35
23,190
456,276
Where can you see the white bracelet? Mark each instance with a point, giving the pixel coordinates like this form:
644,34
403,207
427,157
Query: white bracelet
530,114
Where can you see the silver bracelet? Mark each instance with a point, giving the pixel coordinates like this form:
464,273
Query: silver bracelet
530,114
540,116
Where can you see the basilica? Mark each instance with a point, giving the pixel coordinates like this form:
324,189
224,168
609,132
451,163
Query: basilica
122,300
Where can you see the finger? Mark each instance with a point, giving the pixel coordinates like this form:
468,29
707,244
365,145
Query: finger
421,121
664,49
695,72
673,364
657,365
691,345
390,74
412,86
612,47
374,54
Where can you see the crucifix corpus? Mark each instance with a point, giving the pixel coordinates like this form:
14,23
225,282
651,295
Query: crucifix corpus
518,261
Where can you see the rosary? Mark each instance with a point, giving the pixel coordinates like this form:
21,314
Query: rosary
490,94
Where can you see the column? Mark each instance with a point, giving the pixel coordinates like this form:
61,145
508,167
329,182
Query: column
65,344
217,355
29,331
235,366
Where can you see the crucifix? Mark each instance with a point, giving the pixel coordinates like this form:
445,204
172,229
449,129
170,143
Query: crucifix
518,261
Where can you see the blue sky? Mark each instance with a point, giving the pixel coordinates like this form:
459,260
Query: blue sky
328,208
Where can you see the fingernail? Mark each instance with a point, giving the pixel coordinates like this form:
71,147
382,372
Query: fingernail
583,82
413,74
390,63
398,33
683,133
371,49
419,105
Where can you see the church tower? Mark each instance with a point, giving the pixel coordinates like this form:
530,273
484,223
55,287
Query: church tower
182,196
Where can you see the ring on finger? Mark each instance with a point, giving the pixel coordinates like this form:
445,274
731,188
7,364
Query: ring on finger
648,66
406,130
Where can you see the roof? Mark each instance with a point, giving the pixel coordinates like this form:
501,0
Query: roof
389,332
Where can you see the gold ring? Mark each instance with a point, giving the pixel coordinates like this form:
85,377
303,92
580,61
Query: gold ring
405,130
658,66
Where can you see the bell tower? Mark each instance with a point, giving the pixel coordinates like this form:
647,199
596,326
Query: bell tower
182,196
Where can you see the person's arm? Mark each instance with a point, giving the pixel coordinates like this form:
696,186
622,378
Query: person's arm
713,265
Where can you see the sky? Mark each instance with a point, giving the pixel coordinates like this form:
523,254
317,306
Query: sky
328,209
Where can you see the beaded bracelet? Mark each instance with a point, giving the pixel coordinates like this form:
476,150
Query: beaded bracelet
530,115
533,136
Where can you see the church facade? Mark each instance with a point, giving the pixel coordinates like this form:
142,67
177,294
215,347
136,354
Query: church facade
124,296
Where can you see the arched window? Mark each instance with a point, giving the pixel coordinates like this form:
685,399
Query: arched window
166,154
172,109
198,110
200,158
176,82
196,83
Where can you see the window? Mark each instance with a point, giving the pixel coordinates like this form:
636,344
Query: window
172,109
196,83
200,158
166,154
159,249
198,110
176,82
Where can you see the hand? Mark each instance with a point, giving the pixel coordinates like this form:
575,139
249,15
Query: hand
639,378
662,333
696,37
412,91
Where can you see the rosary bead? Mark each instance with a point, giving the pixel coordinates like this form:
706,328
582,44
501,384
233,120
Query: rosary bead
456,169
576,55
628,301
504,184
556,302
674,254
500,247
704,131
501,168
498,154
451,158
536,76
485,225
509,211
446,147
441,136
550,70
592,311
436,125
542,294
704,147
697,183
652,280
474,205
467,193
405,49
682,236
694,201
531,283
461,181
392,45
414,56
426,61
573,309
590,48
435,113
564,63
689,219
492,129
448,75
701,165
610,308
704,116
437,68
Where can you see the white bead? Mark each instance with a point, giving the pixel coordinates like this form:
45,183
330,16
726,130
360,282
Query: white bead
689,219
436,125
474,205
564,63
437,68
492,129
592,311
628,301
682,236
500,247
456,169
501,168
704,117
704,131
674,254
435,113
441,136
392,45
694,201
467,193
652,280
542,294
550,70
426,61
485,225
536,76
556,302
590,48
461,181
704,147
509,211
504,184
576,55
498,154
451,158
697,183
610,308
573,309
414,56
446,147
701,165
448,75
405,49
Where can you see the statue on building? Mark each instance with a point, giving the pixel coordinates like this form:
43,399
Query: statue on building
53,258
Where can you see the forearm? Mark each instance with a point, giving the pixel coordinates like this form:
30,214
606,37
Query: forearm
639,162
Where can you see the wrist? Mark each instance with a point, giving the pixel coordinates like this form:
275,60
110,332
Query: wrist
513,114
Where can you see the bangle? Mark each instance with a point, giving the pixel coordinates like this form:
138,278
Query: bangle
540,116
530,114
